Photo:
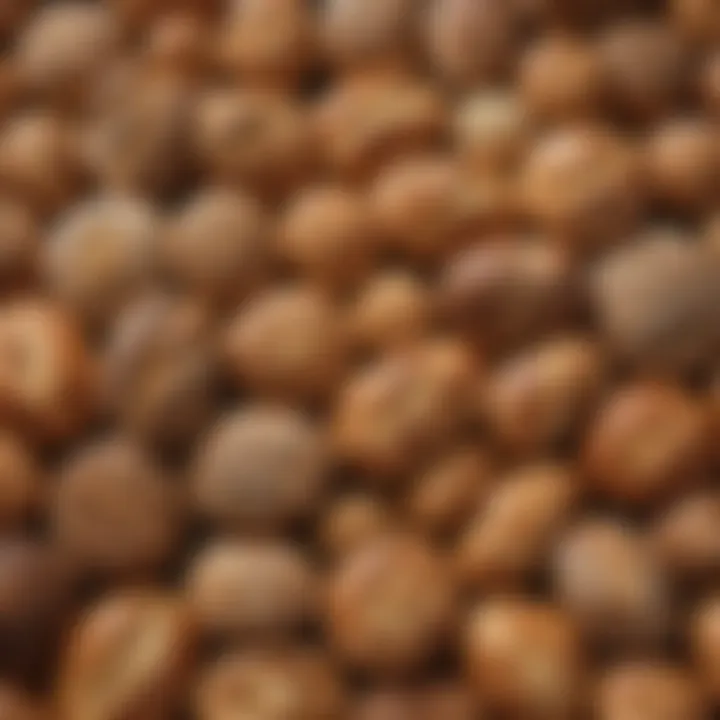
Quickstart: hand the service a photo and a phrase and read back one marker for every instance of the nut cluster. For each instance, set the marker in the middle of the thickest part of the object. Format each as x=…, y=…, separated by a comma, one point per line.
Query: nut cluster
x=359, y=359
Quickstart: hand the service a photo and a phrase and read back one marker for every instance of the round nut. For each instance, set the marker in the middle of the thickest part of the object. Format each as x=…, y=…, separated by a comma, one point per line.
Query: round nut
x=179, y=43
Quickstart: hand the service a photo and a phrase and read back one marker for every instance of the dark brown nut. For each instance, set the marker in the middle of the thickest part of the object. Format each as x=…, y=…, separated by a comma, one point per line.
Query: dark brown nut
x=471, y=42
x=296, y=684
x=47, y=378
x=328, y=235
x=710, y=84
x=268, y=43
x=393, y=310
x=216, y=246
x=390, y=605
x=366, y=121
x=698, y=20
x=65, y=47
x=246, y=588
x=351, y=521
x=539, y=399
x=506, y=292
x=643, y=69
x=683, y=164
x=20, y=491
x=16, y=704
x=127, y=658
x=524, y=659
x=609, y=581
x=100, y=255
x=288, y=343
x=582, y=184
x=160, y=371
x=560, y=79
x=19, y=244
x=253, y=138
x=508, y=540
x=649, y=441
x=40, y=161
x=114, y=510
x=379, y=33
x=658, y=302
x=179, y=42
x=403, y=406
x=450, y=490
x=260, y=467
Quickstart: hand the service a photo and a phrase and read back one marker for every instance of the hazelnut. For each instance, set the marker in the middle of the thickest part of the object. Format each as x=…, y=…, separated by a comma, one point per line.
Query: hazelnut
x=251, y=588
x=216, y=245
x=20, y=490
x=401, y=407
x=296, y=684
x=114, y=510
x=260, y=467
x=698, y=20
x=390, y=605
x=327, y=234
x=648, y=441
x=16, y=704
x=538, y=399
x=286, y=342
x=19, y=244
x=46, y=375
x=705, y=644
x=100, y=255
x=609, y=581
x=524, y=659
x=127, y=657
x=509, y=538
x=710, y=84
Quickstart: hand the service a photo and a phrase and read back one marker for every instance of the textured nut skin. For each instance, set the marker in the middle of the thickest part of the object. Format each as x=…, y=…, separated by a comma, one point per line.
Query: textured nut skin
x=513, y=531
x=246, y=588
x=259, y=468
x=649, y=691
x=524, y=659
x=127, y=657
x=609, y=581
x=390, y=605
x=20, y=475
x=649, y=441
x=19, y=244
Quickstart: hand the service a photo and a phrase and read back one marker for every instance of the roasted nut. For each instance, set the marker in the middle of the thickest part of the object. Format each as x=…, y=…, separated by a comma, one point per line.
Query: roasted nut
x=509, y=539
x=291, y=685
x=698, y=20
x=648, y=441
x=524, y=659
x=16, y=704
x=705, y=644
x=287, y=342
x=127, y=657
x=216, y=246
x=19, y=244
x=114, y=509
x=610, y=583
x=47, y=378
x=390, y=605
x=260, y=467
x=256, y=589
x=20, y=490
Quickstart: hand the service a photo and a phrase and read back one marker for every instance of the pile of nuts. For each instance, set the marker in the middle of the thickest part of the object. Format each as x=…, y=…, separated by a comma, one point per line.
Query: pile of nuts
x=360, y=360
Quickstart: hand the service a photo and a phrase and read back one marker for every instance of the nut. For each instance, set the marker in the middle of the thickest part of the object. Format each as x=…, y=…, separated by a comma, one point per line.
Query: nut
x=20, y=489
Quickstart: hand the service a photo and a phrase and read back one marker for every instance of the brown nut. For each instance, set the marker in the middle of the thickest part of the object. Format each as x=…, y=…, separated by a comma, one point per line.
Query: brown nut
x=47, y=379
x=127, y=658
x=582, y=184
x=683, y=164
x=297, y=684
x=445, y=701
x=179, y=43
x=658, y=302
x=560, y=79
x=114, y=510
x=649, y=691
x=19, y=244
x=609, y=581
x=20, y=489
x=403, y=406
x=506, y=292
x=267, y=42
x=535, y=401
x=16, y=704
x=328, y=235
x=101, y=255
x=710, y=84
x=508, y=540
x=287, y=342
x=216, y=246
x=698, y=20
x=524, y=659
x=160, y=371
x=648, y=441
x=390, y=605
x=260, y=467
x=450, y=490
